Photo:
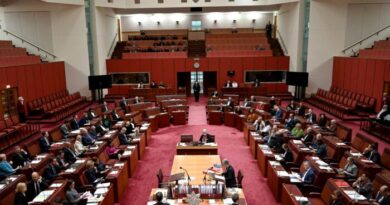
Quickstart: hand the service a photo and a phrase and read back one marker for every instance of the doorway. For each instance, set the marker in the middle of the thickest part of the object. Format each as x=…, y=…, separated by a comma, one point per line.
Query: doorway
x=209, y=81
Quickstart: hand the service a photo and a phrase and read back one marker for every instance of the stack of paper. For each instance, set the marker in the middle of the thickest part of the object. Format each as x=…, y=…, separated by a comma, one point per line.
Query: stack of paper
x=56, y=185
x=297, y=141
x=278, y=157
x=301, y=199
x=118, y=164
x=356, y=154
x=305, y=149
x=80, y=161
x=114, y=172
x=282, y=174
x=131, y=147
x=274, y=163
x=2, y=186
x=126, y=153
x=101, y=191
x=354, y=195
x=70, y=170
x=36, y=161
x=103, y=185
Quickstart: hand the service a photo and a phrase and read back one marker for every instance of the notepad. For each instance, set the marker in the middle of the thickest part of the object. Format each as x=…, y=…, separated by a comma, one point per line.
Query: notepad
x=131, y=147
x=101, y=191
x=297, y=141
x=79, y=161
x=274, y=163
x=282, y=174
x=103, y=185
x=114, y=172
x=340, y=144
x=301, y=199
x=119, y=164
x=126, y=153
x=35, y=161
x=228, y=201
x=70, y=170
x=278, y=158
x=56, y=185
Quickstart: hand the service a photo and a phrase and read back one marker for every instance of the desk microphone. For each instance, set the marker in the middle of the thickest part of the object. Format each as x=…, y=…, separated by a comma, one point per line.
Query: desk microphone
x=188, y=176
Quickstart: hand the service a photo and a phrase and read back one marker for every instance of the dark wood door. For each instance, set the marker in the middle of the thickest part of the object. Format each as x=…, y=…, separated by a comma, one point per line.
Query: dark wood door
x=184, y=82
x=209, y=81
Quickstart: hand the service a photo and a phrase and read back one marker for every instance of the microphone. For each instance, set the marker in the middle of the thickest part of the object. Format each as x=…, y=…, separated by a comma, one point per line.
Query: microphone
x=188, y=176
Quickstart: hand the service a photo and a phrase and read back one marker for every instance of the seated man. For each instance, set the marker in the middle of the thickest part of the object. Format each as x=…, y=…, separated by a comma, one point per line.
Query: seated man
x=52, y=170
x=215, y=94
x=300, y=110
x=123, y=139
x=137, y=100
x=308, y=174
x=350, y=170
x=382, y=114
x=383, y=196
x=115, y=117
x=35, y=186
x=278, y=113
x=363, y=186
x=229, y=84
x=276, y=141
x=315, y=145
x=69, y=155
x=259, y=124
x=309, y=136
x=93, y=133
x=230, y=104
x=84, y=120
x=322, y=150
x=100, y=167
x=130, y=126
x=91, y=114
x=290, y=122
x=5, y=167
x=74, y=123
x=246, y=103
x=100, y=129
x=86, y=138
x=291, y=106
x=19, y=157
x=287, y=155
x=230, y=177
x=159, y=198
x=371, y=152
x=61, y=160
x=153, y=85
x=310, y=117
x=297, y=131
x=322, y=120
x=332, y=127
x=91, y=173
x=104, y=107
x=123, y=104
x=44, y=142
x=64, y=129
x=266, y=129
x=205, y=137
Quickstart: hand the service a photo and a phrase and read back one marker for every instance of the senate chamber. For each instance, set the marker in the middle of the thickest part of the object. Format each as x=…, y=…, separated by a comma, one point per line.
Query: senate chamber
x=174, y=102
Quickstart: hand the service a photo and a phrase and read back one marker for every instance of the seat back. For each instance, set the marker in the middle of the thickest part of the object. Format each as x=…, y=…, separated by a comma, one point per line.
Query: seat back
x=240, y=176
x=385, y=159
x=186, y=138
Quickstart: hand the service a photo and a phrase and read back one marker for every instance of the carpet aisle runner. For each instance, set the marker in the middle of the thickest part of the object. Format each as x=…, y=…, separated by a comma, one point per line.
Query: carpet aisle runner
x=161, y=151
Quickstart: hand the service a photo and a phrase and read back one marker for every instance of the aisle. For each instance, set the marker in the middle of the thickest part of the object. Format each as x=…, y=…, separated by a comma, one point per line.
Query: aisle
x=197, y=111
x=161, y=152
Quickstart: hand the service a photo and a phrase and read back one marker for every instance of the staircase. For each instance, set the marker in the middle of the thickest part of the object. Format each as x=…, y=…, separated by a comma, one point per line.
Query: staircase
x=275, y=47
x=118, y=50
x=196, y=49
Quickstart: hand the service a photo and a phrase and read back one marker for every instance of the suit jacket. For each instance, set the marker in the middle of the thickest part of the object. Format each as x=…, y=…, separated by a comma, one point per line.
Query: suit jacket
x=91, y=175
x=385, y=200
x=70, y=155
x=20, y=199
x=123, y=139
x=51, y=172
x=301, y=111
x=19, y=159
x=230, y=177
x=308, y=138
x=230, y=104
x=365, y=189
x=87, y=140
x=82, y=122
x=61, y=162
x=288, y=156
x=208, y=138
x=322, y=122
x=104, y=108
x=33, y=191
x=91, y=115
x=100, y=130
x=374, y=156
x=74, y=125
x=291, y=107
x=44, y=144
x=308, y=176
x=279, y=115
x=123, y=105
x=64, y=131
x=196, y=88
x=130, y=128
x=247, y=104
x=290, y=123
x=322, y=151
x=311, y=116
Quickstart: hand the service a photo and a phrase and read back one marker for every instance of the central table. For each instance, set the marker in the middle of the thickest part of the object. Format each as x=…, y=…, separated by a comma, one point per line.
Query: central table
x=190, y=149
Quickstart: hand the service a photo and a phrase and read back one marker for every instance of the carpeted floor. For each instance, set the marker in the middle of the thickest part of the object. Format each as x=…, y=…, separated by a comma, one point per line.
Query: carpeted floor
x=161, y=152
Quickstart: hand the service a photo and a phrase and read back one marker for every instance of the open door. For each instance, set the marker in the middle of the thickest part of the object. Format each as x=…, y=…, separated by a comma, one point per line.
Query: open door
x=209, y=81
x=184, y=83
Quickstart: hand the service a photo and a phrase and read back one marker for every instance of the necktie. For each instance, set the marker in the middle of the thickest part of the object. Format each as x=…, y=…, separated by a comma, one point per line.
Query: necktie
x=52, y=168
x=37, y=188
x=47, y=141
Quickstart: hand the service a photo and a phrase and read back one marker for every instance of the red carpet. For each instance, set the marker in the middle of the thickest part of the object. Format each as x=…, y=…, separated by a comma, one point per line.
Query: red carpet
x=231, y=145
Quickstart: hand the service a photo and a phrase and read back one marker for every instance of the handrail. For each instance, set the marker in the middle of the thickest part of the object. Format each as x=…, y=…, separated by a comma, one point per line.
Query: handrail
x=282, y=42
x=367, y=37
x=113, y=42
x=32, y=44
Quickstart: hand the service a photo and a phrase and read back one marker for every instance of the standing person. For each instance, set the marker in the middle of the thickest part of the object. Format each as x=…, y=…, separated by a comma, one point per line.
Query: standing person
x=196, y=88
x=268, y=29
x=21, y=110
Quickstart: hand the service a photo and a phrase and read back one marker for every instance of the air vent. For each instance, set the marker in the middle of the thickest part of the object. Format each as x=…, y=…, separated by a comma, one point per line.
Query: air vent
x=196, y=9
x=160, y=1
x=137, y=1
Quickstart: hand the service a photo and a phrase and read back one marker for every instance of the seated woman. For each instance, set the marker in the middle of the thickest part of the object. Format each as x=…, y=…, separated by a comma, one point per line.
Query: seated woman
x=72, y=196
x=112, y=152
x=79, y=148
x=297, y=131
x=20, y=196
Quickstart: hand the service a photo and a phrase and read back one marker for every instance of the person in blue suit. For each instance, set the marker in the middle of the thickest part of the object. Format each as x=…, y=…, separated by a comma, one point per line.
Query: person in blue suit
x=44, y=142
x=278, y=113
x=308, y=175
x=5, y=167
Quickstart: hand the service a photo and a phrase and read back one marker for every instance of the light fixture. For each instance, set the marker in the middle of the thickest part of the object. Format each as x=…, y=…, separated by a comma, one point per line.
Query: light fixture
x=177, y=22
x=8, y=86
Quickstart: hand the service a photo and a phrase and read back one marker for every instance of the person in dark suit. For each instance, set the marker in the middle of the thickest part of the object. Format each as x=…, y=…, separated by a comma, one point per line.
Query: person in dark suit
x=104, y=107
x=35, y=186
x=383, y=196
x=21, y=110
x=44, y=142
x=64, y=129
x=74, y=124
x=336, y=198
x=276, y=141
x=272, y=103
x=300, y=110
x=93, y=133
x=291, y=106
x=382, y=114
x=230, y=177
x=86, y=138
x=246, y=103
x=91, y=114
x=123, y=139
x=230, y=104
x=153, y=85
x=287, y=155
x=309, y=136
x=290, y=122
x=215, y=94
x=308, y=175
x=363, y=186
x=322, y=120
x=84, y=120
x=100, y=167
x=52, y=170
x=115, y=117
x=20, y=196
x=100, y=129
x=322, y=151
x=123, y=104
x=137, y=100
x=205, y=137
x=310, y=117
x=19, y=157
x=278, y=113
x=61, y=160
x=90, y=172
x=69, y=155
x=229, y=84
x=256, y=83
x=130, y=126
x=371, y=152
x=106, y=122
x=196, y=88
x=159, y=198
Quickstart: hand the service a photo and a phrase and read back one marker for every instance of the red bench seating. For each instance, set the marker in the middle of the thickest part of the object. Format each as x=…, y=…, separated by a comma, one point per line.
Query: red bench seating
x=7, y=44
x=382, y=44
x=364, y=102
x=375, y=53
x=180, y=54
x=235, y=53
x=35, y=106
x=6, y=52
x=12, y=131
x=19, y=60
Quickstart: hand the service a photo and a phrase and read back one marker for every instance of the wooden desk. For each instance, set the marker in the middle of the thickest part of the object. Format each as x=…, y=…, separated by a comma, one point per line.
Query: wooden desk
x=37, y=165
x=215, y=117
x=244, y=92
x=336, y=147
x=130, y=156
x=118, y=177
x=7, y=192
x=247, y=128
x=149, y=94
x=254, y=140
x=299, y=150
x=74, y=171
x=264, y=154
x=58, y=192
x=147, y=129
x=275, y=181
x=229, y=119
x=141, y=144
x=240, y=120
x=96, y=150
x=108, y=196
x=337, y=184
x=195, y=165
x=178, y=117
x=190, y=149
x=322, y=175
x=289, y=191
x=371, y=169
